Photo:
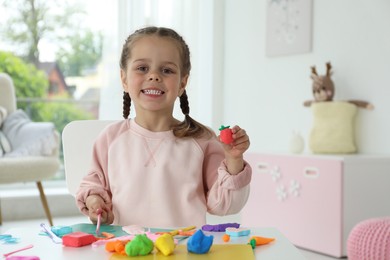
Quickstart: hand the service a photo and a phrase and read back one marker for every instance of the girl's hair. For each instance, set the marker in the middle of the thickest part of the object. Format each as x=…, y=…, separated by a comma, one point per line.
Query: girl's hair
x=188, y=127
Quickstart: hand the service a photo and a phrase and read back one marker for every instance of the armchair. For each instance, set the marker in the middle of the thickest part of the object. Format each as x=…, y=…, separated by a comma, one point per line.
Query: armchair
x=21, y=166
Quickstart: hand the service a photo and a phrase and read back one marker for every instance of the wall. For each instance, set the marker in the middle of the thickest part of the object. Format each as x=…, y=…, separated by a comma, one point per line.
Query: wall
x=267, y=93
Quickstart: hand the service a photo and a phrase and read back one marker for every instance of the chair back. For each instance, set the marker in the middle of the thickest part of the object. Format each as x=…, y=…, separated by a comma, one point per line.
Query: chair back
x=78, y=138
x=7, y=90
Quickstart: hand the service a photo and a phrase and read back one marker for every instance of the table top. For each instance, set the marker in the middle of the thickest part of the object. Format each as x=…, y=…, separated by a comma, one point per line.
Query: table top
x=46, y=249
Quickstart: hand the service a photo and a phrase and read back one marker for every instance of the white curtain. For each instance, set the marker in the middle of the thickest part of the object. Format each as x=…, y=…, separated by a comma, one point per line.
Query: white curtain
x=200, y=22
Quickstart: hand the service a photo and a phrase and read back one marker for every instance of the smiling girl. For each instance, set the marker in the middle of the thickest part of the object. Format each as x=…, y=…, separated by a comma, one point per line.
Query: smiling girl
x=154, y=170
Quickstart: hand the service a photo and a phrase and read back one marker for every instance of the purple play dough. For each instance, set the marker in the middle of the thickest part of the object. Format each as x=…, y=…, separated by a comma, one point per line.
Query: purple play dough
x=219, y=227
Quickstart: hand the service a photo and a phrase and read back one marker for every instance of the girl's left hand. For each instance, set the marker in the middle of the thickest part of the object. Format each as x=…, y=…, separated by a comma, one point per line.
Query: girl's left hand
x=240, y=143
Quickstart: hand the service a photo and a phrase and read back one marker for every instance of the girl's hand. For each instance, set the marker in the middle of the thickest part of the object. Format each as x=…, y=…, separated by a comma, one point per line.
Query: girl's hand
x=234, y=151
x=95, y=202
x=240, y=143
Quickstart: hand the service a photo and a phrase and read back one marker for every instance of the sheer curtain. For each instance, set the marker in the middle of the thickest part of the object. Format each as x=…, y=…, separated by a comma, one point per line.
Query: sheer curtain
x=200, y=22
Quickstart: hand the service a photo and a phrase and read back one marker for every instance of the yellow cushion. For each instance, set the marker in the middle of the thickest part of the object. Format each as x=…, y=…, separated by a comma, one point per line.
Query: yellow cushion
x=333, y=128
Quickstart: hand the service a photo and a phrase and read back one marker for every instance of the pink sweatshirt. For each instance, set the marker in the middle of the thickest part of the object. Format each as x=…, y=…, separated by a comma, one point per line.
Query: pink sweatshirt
x=155, y=179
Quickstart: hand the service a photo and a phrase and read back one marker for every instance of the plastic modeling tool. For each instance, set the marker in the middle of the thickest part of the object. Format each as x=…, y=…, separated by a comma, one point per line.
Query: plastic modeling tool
x=18, y=250
x=177, y=231
x=50, y=233
x=99, y=219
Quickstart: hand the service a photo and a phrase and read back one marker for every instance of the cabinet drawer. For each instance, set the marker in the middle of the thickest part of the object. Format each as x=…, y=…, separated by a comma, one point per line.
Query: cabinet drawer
x=300, y=196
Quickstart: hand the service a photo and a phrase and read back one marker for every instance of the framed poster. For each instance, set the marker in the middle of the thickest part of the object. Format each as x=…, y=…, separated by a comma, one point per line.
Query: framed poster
x=289, y=26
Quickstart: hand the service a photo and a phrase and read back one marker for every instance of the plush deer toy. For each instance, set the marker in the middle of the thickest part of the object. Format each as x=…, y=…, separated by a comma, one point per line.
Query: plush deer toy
x=323, y=89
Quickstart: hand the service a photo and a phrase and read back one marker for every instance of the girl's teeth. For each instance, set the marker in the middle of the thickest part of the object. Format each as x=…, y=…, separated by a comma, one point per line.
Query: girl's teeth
x=152, y=92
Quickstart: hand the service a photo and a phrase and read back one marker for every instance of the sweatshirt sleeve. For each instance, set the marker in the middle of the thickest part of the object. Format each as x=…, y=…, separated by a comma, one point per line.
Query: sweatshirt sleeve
x=226, y=194
x=96, y=181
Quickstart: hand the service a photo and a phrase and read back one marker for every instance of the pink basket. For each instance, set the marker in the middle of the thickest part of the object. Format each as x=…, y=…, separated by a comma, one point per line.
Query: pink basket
x=370, y=240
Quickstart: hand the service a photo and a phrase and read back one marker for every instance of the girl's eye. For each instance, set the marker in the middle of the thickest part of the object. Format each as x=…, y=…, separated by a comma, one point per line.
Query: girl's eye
x=167, y=71
x=142, y=68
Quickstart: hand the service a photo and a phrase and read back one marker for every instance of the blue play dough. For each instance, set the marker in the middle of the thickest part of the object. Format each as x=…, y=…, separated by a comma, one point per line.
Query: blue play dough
x=61, y=230
x=237, y=232
x=199, y=243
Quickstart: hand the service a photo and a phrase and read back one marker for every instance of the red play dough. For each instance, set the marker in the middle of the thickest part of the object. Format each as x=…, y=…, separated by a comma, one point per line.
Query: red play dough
x=78, y=239
x=226, y=135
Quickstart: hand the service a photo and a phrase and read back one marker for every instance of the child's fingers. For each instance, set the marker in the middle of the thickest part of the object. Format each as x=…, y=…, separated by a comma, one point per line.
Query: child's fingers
x=104, y=217
x=107, y=216
x=110, y=217
x=240, y=141
x=235, y=129
x=94, y=211
x=93, y=217
x=241, y=147
x=240, y=137
x=238, y=132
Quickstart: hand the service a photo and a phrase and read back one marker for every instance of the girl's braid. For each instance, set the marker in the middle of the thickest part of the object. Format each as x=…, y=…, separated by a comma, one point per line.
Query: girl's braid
x=126, y=105
x=184, y=103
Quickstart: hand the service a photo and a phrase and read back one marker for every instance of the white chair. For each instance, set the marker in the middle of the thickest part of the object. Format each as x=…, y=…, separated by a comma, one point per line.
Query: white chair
x=78, y=138
x=26, y=168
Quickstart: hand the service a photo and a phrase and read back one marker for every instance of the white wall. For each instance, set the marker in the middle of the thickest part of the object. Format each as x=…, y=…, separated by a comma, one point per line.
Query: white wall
x=265, y=95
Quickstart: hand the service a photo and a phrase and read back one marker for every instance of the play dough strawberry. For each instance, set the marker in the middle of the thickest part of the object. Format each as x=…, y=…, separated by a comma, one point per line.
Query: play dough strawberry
x=226, y=134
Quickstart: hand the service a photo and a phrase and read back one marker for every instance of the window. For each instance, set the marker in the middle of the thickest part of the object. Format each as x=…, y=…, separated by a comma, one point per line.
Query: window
x=61, y=82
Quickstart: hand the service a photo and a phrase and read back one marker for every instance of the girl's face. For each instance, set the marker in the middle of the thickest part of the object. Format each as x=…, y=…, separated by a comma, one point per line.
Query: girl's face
x=153, y=76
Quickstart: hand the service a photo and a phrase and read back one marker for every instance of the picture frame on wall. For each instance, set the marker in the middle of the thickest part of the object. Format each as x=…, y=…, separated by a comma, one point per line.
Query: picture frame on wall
x=289, y=27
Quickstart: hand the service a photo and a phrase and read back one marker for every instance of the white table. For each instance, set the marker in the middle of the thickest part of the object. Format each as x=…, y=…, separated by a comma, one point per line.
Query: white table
x=281, y=248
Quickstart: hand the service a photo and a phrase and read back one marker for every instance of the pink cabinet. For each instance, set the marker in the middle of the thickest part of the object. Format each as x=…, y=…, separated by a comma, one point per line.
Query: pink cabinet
x=316, y=200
